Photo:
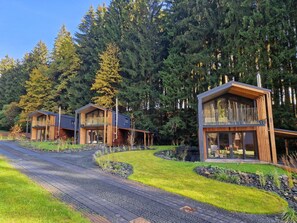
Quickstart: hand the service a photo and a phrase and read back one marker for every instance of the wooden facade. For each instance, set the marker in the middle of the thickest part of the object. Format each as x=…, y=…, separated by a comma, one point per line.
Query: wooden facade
x=97, y=125
x=45, y=126
x=235, y=121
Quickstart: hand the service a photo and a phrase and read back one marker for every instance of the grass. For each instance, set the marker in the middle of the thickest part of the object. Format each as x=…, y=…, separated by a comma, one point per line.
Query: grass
x=24, y=201
x=50, y=146
x=266, y=169
x=179, y=177
x=4, y=135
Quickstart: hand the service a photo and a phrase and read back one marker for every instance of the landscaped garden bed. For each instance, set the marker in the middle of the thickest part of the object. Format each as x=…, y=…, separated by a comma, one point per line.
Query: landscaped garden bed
x=54, y=146
x=179, y=177
x=284, y=185
x=181, y=153
x=113, y=166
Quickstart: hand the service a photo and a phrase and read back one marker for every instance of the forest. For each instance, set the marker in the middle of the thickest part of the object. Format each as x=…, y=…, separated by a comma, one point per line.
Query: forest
x=156, y=56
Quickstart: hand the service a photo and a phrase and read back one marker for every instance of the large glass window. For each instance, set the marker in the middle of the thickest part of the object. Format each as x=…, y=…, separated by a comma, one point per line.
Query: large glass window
x=230, y=109
x=41, y=120
x=94, y=136
x=95, y=117
x=232, y=145
x=40, y=134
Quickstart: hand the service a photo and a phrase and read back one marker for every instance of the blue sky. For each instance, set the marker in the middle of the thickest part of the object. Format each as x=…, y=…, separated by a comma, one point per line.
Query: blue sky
x=24, y=22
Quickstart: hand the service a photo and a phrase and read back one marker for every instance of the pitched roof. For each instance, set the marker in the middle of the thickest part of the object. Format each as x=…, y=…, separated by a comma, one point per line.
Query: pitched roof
x=89, y=107
x=233, y=87
x=41, y=112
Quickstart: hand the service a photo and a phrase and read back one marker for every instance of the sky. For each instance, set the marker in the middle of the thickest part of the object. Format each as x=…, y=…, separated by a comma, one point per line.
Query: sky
x=23, y=23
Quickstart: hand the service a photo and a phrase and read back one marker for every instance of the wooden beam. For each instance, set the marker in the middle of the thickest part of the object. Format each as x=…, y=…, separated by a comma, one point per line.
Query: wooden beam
x=271, y=128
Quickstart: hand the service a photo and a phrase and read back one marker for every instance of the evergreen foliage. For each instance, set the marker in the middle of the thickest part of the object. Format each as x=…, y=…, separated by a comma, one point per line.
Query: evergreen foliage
x=63, y=70
x=168, y=52
x=107, y=78
x=39, y=94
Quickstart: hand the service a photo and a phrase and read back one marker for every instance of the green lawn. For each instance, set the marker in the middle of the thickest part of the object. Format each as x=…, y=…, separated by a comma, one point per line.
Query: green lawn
x=50, y=146
x=21, y=200
x=248, y=167
x=179, y=177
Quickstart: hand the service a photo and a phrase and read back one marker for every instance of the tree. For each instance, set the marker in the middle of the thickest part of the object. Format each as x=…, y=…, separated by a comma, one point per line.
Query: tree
x=9, y=115
x=38, y=56
x=107, y=78
x=90, y=43
x=6, y=64
x=141, y=57
x=63, y=69
x=39, y=94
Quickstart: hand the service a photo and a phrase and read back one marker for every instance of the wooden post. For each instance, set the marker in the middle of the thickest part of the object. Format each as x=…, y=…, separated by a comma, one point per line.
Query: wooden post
x=46, y=121
x=152, y=139
x=75, y=128
x=104, y=130
x=200, y=131
x=271, y=128
x=287, y=147
x=27, y=126
x=148, y=139
x=144, y=139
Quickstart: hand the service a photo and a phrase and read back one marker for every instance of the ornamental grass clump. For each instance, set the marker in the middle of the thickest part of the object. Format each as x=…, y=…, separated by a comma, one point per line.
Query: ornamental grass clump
x=276, y=179
x=289, y=216
x=262, y=178
x=290, y=162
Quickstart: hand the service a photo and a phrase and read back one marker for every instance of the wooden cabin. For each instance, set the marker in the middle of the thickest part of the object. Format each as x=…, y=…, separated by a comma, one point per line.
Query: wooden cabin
x=45, y=126
x=97, y=125
x=235, y=122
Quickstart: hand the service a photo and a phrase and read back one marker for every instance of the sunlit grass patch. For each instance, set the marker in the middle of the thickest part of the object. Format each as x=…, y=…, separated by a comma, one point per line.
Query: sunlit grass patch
x=21, y=200
x=180, y=178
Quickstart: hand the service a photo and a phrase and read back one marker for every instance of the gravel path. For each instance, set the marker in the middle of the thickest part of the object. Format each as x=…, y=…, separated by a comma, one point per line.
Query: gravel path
x=75, y=179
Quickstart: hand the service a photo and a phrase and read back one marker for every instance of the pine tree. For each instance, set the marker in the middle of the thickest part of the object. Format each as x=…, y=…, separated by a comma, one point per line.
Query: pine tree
x=141, y=57
x=38, y=95
x=63, y=70
x=90, y=43
x=38, y=56
x=6, y=64
x=107, y=78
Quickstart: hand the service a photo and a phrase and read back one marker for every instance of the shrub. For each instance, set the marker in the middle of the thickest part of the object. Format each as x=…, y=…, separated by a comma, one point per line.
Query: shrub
x=289, y=216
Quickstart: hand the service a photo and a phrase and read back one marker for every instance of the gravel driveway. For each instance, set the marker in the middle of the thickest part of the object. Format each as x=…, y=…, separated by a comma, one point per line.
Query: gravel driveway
x=75, y=179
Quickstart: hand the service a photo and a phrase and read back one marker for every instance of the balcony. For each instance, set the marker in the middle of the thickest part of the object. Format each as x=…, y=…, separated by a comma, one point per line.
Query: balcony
x=93, y=122
x=39, y=123
x=230, y=117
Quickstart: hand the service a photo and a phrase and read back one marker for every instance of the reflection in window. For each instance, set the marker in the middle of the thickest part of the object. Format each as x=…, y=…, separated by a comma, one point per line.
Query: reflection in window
x=94, y=136
x=230, y=109
x=95, y=117
x=232, y=145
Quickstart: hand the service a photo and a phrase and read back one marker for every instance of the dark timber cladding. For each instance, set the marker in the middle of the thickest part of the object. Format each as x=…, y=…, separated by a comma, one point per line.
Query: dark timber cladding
x=235, y=121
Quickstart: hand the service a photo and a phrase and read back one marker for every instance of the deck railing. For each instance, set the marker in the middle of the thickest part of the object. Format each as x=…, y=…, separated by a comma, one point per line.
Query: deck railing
x=39, y=123
x=232, y=117
x=94, y=121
